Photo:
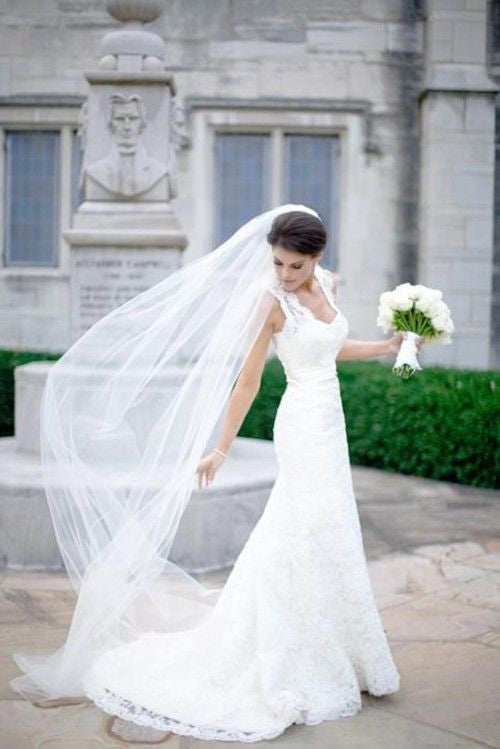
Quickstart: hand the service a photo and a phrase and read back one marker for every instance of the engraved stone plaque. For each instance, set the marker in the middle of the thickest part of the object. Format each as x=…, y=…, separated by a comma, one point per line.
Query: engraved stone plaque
x=103, y=279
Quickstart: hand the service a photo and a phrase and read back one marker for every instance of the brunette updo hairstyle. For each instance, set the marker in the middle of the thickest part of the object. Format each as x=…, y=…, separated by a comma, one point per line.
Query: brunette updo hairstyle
x=298, y=231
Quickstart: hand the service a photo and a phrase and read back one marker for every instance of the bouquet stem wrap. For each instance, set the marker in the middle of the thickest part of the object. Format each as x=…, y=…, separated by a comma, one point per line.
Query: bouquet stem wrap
x=406, y=360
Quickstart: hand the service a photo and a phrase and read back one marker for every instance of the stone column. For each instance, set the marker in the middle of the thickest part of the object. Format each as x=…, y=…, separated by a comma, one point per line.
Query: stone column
x=125, y=235
x=457, y=117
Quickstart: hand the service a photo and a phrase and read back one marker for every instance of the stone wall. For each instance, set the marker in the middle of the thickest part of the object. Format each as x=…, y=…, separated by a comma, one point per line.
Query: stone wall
x=494, y=69
x=355, y=67
x=457, y=175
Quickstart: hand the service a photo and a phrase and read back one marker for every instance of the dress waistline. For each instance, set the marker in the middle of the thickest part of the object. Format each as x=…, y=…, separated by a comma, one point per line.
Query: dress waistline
x=313, y=379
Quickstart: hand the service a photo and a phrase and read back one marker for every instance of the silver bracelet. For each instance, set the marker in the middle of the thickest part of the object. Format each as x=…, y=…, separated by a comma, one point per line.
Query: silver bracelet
x=216, y=450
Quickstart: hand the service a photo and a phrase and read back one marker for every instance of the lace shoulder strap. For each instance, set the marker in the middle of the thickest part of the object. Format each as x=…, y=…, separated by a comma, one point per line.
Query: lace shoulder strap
x=326, y=284
x=292, y=309
x=279, y=292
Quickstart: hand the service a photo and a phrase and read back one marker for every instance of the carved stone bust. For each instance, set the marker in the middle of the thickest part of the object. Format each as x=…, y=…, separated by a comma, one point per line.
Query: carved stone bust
x=128, y=170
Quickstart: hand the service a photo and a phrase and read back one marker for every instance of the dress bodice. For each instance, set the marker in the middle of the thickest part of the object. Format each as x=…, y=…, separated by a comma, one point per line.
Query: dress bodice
x=307, y=346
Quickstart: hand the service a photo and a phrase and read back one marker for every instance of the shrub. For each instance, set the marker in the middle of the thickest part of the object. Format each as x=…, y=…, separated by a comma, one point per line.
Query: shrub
x=8, y=361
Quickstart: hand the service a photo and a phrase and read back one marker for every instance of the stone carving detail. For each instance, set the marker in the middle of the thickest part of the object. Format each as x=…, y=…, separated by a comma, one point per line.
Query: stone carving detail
x=178, y=130
x=128, y=169
x=132, y=47
x=83, y=116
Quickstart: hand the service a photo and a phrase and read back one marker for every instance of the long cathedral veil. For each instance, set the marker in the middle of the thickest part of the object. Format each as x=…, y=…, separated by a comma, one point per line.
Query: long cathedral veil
x=126, y=414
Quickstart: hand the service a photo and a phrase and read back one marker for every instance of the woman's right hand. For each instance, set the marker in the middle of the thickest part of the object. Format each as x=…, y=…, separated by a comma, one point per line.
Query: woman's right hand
x=207, y=467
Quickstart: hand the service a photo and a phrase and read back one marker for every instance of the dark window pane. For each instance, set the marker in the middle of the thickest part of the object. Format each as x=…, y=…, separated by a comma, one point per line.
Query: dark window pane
x=32, y=197
x=311, y=178
x=242, y=177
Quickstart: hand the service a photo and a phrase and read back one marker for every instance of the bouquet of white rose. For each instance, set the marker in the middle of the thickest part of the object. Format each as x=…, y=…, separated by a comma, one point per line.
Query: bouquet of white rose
x=418, y=310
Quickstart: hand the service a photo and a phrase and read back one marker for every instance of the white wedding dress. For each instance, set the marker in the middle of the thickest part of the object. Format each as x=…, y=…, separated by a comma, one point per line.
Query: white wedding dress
x=295, y=634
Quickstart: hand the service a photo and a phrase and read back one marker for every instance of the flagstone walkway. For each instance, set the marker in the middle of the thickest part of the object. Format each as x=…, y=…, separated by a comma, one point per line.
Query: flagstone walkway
x=434, y=560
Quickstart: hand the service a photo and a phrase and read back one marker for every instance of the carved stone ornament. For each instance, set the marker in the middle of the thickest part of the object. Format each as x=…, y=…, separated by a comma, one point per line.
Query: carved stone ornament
x=133, y=47
x=178, y=129
x=128, y=169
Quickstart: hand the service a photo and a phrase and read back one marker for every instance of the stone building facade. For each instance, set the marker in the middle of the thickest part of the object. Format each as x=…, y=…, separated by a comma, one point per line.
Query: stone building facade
x=378, y=113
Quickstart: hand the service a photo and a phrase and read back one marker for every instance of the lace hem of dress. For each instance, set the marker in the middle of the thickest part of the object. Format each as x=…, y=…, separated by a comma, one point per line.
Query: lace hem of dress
x=121, y=707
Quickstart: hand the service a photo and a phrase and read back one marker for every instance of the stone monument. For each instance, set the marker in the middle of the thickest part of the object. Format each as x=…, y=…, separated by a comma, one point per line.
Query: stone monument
x=125, y=235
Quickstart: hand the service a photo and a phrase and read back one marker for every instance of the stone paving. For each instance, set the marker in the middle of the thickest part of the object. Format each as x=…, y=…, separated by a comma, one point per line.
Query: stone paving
x=434, y=560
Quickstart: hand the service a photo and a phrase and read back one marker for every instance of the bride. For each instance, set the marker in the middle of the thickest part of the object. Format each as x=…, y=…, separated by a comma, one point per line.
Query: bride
x=129, y=426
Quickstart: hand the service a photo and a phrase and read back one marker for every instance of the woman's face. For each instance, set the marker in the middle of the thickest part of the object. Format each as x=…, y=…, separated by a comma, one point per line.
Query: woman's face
x=293, y=268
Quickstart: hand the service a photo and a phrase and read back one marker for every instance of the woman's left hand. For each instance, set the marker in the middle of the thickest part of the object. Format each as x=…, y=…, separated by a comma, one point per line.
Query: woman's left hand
x=394, y=343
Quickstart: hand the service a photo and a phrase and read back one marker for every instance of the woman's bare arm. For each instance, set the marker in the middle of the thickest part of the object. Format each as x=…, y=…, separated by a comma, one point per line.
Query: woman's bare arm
x=242, y=396
x=248, y=383
x=353, y=349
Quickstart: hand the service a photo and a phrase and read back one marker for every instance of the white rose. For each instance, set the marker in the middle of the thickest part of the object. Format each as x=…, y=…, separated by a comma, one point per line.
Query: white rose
x=436, y=293
x=439, y=321
x=385, y=320
x=404, y=288
x=419, y=290
x=449, y=327
x=385, y=297
x=424, y=301
x=384, y=308
x=401, y=301
x=435, y=308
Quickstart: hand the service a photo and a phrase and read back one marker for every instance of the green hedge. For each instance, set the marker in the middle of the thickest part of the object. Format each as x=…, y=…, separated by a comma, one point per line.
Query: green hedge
x=8, y=361
x=440, y=424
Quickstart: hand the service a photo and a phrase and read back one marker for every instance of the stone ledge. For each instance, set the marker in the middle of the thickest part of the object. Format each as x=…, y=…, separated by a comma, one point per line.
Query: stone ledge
x=466, y=79
x=213, y=529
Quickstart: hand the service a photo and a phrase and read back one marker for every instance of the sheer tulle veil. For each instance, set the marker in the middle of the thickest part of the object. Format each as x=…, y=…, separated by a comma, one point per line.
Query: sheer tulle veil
x=126, y=414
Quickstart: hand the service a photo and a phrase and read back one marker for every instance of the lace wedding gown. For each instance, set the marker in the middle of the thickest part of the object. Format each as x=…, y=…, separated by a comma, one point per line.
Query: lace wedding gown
x=295, y=634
